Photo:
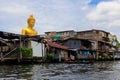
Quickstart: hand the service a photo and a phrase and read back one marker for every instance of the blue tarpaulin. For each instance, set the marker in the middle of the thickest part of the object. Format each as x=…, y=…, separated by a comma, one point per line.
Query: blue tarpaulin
x=85, y=52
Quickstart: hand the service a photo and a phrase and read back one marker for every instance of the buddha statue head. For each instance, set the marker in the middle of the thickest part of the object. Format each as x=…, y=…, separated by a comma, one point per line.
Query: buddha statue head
x=29, y=31
x=31, y=21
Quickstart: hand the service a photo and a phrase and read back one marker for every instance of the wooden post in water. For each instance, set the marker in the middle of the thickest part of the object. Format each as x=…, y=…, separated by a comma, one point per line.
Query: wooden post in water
x=97, y=51
x=1, y=56
x=42, y=50
x=20, y=56
x=113, y=55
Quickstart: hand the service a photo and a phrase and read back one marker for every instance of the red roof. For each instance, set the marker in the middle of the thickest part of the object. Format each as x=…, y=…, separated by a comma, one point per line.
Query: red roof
x=52, y=44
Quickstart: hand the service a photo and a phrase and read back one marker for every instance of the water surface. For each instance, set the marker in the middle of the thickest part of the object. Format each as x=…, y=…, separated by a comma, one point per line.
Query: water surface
x=109, y=70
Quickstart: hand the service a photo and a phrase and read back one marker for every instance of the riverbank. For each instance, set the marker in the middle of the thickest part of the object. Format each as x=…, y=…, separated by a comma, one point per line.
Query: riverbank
x=35, y=61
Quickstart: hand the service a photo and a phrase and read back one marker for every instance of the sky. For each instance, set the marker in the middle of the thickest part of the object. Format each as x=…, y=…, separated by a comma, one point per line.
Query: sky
x=61, y=15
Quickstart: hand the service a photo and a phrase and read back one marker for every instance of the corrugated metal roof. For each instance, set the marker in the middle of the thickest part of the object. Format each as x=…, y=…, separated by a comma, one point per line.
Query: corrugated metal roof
x=52, y=44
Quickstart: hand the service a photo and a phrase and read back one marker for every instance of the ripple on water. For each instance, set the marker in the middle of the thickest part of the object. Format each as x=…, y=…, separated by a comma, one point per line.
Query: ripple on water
x=94, y=71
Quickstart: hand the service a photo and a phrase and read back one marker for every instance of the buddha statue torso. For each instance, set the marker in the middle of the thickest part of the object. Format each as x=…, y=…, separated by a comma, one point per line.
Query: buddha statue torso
x=29, y=31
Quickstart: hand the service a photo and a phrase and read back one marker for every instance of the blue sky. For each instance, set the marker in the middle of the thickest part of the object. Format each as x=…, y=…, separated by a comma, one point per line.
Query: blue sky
x=60, y=15
x=95, y=2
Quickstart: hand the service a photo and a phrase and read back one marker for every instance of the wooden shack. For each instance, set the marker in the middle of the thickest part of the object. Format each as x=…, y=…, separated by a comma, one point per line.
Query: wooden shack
x=60, y=52
x=102, y=41
x=13, y=46
x=9, y=44
x=81, y=48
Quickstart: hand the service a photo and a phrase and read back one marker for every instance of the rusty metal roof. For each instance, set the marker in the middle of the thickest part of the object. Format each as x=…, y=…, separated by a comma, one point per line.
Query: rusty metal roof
x=52, y=44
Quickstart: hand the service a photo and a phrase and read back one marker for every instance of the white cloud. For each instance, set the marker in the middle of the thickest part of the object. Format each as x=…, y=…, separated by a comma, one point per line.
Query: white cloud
x=105, y=9
x=114, y=23
x=105, y=16
x=108, y=12
x=14, y=9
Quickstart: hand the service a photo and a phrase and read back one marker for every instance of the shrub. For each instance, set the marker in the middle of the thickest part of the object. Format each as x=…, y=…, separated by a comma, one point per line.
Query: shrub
x=49, y=57
x=26, y=52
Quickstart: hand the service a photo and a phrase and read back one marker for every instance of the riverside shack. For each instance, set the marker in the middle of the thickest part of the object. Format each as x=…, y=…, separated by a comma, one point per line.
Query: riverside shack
x=9, y=44
x=95, y=44
x=101, y=42
x=15, y=47
x=81, y=47
x=60, y=52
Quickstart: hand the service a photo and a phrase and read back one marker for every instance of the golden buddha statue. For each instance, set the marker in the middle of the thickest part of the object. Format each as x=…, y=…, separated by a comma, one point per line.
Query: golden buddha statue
x=29, y=31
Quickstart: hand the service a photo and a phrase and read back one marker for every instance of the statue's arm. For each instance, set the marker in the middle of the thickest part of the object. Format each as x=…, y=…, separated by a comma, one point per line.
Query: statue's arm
x=23, y=31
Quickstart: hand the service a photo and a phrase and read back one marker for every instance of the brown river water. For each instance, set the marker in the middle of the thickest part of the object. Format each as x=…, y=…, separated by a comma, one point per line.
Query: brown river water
x=108, y=70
